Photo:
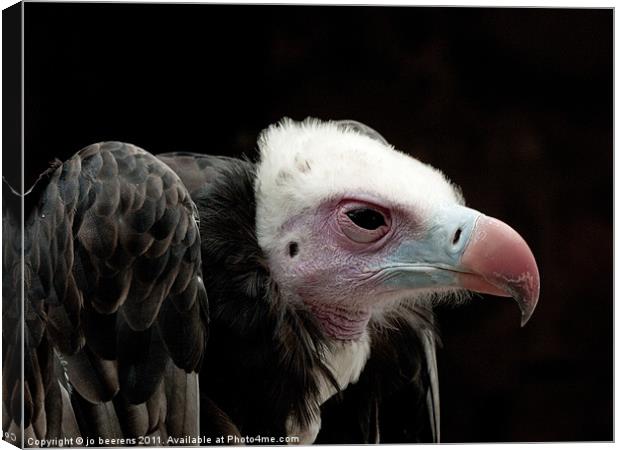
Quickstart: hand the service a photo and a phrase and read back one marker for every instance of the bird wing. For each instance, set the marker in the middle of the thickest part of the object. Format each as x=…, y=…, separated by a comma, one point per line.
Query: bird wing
x=396, y=399
x=202, y=174
x=197, y=171
x=114, y=299
x=35, y=405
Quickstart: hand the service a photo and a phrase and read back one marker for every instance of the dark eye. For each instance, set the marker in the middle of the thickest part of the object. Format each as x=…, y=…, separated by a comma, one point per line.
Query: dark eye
x=366, y=218
x=362, y=222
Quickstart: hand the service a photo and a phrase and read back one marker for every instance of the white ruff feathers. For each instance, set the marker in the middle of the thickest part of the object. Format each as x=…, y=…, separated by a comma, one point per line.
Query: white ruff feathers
x=303, y=164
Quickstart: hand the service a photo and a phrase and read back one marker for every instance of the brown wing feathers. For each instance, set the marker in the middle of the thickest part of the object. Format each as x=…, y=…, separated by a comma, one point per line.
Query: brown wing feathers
x=113, y=256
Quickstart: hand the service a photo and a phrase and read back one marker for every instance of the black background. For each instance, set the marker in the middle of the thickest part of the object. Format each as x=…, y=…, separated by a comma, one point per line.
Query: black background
x=514, y=105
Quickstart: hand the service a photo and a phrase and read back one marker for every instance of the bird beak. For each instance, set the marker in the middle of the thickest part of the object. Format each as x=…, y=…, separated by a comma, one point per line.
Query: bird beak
x=498, y=261
x=463, y=248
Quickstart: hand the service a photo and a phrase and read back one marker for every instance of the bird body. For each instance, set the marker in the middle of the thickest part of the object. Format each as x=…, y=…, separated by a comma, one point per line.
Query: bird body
x=321, y=260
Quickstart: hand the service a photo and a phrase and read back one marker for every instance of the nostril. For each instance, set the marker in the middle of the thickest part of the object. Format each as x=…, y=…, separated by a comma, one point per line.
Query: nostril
x=293, y=249
x=457, y=236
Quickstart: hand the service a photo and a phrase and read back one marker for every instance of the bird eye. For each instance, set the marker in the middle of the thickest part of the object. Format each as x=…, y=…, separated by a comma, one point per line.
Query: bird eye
x=363, y=223
x=366, y=218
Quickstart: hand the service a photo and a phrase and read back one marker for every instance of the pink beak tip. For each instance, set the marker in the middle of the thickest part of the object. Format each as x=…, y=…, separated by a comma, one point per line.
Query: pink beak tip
x=502, y=258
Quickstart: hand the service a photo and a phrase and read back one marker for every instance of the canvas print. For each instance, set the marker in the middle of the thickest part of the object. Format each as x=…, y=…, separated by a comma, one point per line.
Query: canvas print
x=293, y=224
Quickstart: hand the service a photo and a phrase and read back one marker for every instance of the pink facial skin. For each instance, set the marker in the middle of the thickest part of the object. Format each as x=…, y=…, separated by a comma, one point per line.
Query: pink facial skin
x=330, y=271
x=343, y=272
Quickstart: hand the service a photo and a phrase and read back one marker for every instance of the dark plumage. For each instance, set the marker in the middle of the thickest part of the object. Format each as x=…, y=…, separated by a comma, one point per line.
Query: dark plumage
x=112, y=266
x=320, y=283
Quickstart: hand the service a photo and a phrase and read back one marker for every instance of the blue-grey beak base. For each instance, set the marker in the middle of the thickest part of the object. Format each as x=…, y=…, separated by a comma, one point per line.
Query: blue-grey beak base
x=434, y=259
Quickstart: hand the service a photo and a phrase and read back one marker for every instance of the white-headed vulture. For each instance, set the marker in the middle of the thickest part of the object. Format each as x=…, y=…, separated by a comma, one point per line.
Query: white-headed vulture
x=186, y=298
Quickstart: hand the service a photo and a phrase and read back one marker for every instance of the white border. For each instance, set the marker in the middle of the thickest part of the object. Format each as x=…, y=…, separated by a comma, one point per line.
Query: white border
x=480, y=3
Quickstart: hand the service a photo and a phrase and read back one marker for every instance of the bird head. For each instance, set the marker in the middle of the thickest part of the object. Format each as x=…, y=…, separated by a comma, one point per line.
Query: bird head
x=352, y=227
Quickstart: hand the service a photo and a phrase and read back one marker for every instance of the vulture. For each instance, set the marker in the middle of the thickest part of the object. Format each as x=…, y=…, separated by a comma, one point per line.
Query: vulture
x=191, y=299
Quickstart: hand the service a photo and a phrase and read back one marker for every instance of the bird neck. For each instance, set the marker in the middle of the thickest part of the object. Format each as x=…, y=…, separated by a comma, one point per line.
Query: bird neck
x=340, y=323
x=252, y=325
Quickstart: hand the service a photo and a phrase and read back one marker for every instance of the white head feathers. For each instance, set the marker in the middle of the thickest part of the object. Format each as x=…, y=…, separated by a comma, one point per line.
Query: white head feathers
x=303, y=164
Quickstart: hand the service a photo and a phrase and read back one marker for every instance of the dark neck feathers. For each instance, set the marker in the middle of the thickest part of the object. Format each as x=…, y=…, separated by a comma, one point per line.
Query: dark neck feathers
x=267, y=353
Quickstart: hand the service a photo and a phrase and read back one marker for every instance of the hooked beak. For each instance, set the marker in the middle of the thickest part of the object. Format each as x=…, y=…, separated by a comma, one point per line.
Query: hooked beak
x=466, y=249
x=498, y=261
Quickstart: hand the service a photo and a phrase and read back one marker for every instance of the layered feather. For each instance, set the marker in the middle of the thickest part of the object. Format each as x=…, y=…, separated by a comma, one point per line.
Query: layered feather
x=114, y=291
